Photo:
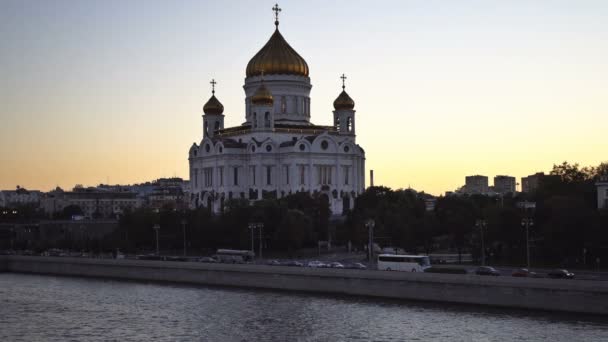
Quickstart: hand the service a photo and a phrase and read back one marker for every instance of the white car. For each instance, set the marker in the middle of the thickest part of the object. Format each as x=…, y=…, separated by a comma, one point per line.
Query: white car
x=316, y=264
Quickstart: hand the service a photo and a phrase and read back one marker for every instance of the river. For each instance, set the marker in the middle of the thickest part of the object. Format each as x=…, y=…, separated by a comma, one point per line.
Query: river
x=48, y=308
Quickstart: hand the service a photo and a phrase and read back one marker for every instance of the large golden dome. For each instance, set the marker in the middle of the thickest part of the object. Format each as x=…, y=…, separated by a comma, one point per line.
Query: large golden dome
x=213, y=106
x=262, y=96
x=277, y=57
x=343, y=101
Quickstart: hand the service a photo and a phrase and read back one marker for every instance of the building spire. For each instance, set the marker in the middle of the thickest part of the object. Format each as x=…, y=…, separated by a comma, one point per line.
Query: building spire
x=343, y=77
x=213, y=83
x=276, y=9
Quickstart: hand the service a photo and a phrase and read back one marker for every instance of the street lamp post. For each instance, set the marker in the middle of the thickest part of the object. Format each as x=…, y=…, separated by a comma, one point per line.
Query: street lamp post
x=184, y=222
x=370, y=231
x=156, y=228
x=481, y=224
x=252, y=226
x=526, y=223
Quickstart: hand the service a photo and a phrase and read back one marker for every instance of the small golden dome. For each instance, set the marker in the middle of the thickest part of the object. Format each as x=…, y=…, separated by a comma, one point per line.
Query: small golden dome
x=213, y=106
x=343, y=101
x=277, y=57
x=262, y=96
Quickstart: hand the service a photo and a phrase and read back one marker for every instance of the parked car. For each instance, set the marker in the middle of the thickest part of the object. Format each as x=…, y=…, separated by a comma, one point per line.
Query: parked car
x=273, y=263
x=207, y=259
x=316, y=264
x=487, y=270
x=294, y=263
x=336, y=264
x=524, y=272
x=357, y=266
x=560, y=274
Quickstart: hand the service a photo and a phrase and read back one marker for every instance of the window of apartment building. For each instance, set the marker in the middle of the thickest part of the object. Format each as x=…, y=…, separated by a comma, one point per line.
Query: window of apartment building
x=236, y=175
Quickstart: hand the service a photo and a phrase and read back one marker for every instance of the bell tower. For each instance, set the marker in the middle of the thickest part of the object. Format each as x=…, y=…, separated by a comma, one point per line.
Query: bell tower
x=213, y=117
x=344, y=113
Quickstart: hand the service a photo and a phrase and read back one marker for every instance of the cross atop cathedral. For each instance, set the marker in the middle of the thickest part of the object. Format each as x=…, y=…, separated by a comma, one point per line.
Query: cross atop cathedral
x=213, y=83
x=343, y=77
x=276, y=9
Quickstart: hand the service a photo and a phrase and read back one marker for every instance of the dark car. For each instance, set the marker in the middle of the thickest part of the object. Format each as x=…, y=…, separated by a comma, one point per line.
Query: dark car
x=295, y=263
x=273, y=263
x=524, y=272
x=487, y=270
x=560, y=274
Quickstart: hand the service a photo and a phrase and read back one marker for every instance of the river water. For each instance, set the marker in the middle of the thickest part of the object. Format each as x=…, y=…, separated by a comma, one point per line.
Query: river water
x=46, y=308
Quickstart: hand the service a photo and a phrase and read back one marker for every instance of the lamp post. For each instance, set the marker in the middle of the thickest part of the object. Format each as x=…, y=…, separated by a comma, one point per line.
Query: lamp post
x=369, y=224
x=184, y=222
x=156, y=228
x=526, y=223
x=481, y=224
x=252, y=226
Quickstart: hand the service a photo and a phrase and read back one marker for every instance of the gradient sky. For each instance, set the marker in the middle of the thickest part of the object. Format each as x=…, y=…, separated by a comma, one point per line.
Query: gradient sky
x=112, y=91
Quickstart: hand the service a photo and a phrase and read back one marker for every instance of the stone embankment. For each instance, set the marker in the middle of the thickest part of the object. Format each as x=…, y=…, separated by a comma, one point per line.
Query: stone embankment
x=541, y=294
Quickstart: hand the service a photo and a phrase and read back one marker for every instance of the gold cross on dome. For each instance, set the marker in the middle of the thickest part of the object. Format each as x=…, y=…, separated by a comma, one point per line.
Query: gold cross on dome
x=343, y=77
x=213, y=83
x=276, y=9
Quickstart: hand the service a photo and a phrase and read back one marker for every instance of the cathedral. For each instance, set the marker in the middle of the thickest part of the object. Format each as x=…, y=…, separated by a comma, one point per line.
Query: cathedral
x=277, y=151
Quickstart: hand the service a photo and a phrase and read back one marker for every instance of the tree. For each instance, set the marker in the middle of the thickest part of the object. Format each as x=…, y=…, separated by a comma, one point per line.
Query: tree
x=294, y=230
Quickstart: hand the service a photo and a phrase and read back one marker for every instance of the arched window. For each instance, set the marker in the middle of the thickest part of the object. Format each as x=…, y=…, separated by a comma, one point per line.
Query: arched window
x=337, y=122
x=267, y=119
x=217, y=125
x=349, y=124
x=206, y=128
x=255, y=120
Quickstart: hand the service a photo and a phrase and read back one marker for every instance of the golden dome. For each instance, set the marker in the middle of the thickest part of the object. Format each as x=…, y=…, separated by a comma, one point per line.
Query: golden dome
x=343, y=101
x=262, y=96
x=213, y=106
x=277, y=57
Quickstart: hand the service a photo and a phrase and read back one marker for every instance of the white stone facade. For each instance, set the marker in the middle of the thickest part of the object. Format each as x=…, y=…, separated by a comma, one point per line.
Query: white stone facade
x=277, y=151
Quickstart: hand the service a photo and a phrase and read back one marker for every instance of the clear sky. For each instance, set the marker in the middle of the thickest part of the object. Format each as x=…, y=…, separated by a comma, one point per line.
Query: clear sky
x=112, y=91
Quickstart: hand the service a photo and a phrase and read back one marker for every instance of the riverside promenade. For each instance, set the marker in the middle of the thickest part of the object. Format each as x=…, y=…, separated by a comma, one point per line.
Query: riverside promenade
x=539, y=294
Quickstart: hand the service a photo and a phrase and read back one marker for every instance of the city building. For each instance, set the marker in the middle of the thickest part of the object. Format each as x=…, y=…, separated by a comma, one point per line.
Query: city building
x=19, y=196
x=504, y=185
x=277, y=151
x=530, y=184
x=602, y=192
x=94, y=202
x=476, y=185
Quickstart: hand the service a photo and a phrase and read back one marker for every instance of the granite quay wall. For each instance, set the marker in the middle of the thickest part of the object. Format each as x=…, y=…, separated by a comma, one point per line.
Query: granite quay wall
x=542, y=294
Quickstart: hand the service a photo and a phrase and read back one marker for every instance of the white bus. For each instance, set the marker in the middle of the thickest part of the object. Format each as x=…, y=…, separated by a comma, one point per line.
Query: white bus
x=404, y=263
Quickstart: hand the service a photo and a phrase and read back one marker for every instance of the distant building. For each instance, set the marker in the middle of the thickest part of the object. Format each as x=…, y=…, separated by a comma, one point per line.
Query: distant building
x=602, y=192
x=94, y=202
x=20, y=196
x=530, y=184
x=504, y=185
x=476, y=185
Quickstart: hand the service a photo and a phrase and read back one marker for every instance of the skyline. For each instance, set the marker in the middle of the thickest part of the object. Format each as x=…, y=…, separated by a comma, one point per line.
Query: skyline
x=112, y=92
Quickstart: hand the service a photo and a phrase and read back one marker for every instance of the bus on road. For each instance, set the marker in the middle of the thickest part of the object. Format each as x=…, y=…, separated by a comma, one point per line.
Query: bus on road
x=404, y=263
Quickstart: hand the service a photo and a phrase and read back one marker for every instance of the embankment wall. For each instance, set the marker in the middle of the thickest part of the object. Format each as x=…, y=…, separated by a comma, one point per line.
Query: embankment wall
x=543, y=294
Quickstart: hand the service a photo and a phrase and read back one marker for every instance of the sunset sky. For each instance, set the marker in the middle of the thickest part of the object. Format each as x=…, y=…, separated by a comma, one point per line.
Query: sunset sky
x=112, y=91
